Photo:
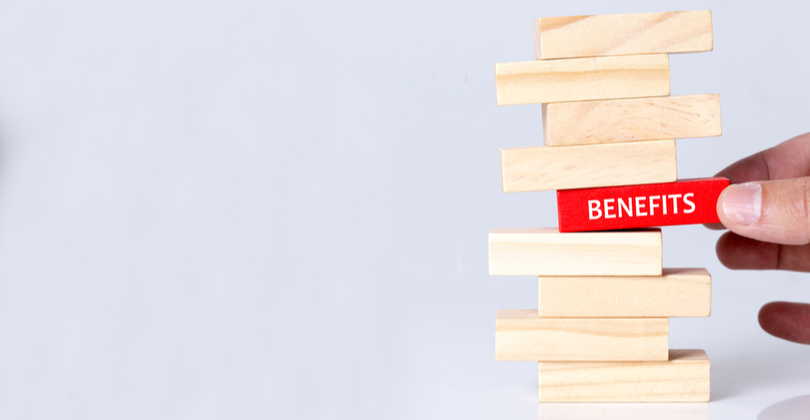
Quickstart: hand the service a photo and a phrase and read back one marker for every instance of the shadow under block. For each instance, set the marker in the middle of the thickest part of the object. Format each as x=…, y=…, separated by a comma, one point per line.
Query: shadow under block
x=602, y=165
x=682, y=378
x=547, y=252
x=623, y=120
x=686, y=202
x=624, y=411
x=582, y=79
x=638, y=33
x=521, y=336
x=681, y=292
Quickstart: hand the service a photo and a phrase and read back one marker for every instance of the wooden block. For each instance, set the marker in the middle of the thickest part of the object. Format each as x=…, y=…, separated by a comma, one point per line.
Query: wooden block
x=547, y=252
x=681, y=292
x=624, y=411
x=689, y=201
x=582, y=79
x=521, y=335
x=600, y=165
x=623, y=120
x=638, y=33
x=682, y=378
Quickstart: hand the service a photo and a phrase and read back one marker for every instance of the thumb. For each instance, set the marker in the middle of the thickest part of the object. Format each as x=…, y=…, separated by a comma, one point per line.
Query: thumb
x=769, y=211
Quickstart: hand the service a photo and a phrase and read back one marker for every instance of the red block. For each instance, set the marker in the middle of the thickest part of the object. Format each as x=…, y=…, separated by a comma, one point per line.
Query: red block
x=686, y=202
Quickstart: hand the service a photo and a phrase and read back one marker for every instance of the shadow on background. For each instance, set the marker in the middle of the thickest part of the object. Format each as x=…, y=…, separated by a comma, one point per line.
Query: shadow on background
x=745, y=375
x=791, y=409
x=621, y=411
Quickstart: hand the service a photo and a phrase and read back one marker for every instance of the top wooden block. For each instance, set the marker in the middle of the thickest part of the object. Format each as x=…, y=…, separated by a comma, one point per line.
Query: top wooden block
x=638, y=33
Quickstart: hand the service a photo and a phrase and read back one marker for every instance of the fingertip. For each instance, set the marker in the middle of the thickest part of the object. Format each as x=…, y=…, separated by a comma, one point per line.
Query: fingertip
x=722, y=250
x=714, y=226
x=740, y=253
x=786, y=320
x=751, y=168
x=767, y=315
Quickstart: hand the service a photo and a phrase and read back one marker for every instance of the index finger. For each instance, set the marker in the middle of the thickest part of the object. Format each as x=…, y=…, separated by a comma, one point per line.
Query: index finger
x=786, y=160
x=789, y=159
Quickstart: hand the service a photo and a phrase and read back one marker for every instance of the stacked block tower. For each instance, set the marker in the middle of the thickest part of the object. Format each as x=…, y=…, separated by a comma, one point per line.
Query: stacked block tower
x=601, y=330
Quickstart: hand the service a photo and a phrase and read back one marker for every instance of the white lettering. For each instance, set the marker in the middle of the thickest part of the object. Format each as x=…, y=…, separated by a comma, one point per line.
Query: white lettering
x=675, y=198
x=608, y=208
x=640, y=206
x=628, y=207
x=612, y=208
x=653, y=205
x=687, y=201
x=593, y=207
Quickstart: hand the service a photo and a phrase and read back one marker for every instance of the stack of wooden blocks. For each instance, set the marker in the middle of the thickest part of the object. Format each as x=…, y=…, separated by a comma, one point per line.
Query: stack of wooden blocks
x=601, y=331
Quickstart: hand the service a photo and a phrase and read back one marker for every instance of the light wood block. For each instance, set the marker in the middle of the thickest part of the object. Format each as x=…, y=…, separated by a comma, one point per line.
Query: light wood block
x=682, y=378
x=623, y=120
x=681, y=292
x=601, y=165
x=521, y=335
x=582, y=79
x=547, y=252
x=638, y=33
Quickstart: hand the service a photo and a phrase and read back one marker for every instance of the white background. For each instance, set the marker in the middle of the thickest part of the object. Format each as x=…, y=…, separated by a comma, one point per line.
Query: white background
x=248, y=210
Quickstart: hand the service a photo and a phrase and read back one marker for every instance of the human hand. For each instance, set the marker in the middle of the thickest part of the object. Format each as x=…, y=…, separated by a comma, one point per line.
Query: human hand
x=768, y=215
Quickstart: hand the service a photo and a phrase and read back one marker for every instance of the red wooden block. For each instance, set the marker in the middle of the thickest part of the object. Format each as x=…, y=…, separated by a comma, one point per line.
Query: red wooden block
x=686, y=202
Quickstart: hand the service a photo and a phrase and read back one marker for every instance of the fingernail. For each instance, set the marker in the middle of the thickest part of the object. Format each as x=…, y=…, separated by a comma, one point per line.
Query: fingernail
x=742, y=203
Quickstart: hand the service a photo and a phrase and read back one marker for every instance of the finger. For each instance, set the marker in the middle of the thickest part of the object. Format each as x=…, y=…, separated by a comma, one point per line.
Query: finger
x=715, y=226
x=786, y=320
x=769, y=211
x=789, y=159
x=741, y=253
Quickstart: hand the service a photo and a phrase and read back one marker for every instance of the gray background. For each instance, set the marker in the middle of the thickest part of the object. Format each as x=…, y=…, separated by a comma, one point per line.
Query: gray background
x=280, y=209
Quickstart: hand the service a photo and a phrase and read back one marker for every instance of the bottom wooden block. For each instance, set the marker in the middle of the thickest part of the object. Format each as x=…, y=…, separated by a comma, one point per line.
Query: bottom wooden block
x=683, y=378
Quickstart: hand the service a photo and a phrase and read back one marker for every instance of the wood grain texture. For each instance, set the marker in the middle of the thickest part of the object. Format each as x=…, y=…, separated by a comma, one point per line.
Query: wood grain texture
x=682, y=378
x=680, y=292
x=623, y=120
x=547, y=252
x=602, y=165
x=638, y=33
x=688, y=201
x=582, y=79
x=521, y=335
